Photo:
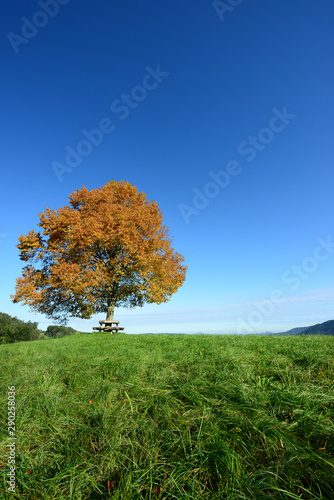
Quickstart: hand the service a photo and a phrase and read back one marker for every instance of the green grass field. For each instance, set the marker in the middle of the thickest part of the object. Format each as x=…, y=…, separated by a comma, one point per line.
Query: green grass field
x=170, y=417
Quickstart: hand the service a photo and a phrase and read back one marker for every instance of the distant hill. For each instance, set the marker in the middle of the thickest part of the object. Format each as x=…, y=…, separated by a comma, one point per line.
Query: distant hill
x=293, y=331
x=326, y=328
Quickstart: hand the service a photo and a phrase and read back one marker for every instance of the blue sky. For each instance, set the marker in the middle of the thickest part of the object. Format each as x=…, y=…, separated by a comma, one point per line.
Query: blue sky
x=221, y=112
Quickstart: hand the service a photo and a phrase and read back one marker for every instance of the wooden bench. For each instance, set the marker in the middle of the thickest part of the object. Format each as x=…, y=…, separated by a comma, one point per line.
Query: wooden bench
x=109, y=326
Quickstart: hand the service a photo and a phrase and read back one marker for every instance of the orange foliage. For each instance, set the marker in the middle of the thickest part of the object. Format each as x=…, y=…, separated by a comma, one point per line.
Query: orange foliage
x=108, y=247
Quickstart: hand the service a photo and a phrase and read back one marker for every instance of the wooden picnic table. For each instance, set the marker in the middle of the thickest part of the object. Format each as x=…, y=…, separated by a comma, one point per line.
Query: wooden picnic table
x=109, y=326
x=109, y=322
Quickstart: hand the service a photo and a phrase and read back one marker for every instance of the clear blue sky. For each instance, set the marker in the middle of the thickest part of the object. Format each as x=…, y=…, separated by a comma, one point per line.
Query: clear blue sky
x=221, y=112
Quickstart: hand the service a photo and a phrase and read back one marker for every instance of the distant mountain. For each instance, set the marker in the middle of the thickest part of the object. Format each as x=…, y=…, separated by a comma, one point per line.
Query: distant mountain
x=294, y=331
x=326, y=328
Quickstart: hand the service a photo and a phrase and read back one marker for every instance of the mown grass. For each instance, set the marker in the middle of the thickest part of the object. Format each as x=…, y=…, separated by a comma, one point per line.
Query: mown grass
x=171, y=417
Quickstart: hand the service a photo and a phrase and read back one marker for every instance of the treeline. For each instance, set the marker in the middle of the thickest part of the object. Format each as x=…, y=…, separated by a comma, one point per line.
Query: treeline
x=16, y=330
x=13, y=329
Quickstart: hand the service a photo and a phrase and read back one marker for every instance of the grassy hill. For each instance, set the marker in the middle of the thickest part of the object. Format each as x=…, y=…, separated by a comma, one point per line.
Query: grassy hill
x=170, y=417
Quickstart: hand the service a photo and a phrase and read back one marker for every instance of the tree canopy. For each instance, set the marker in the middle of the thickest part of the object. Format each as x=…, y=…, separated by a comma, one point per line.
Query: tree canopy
x=108, y=248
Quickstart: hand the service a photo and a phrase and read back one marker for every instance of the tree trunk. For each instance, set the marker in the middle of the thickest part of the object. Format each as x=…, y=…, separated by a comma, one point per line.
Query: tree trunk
x=110, y=311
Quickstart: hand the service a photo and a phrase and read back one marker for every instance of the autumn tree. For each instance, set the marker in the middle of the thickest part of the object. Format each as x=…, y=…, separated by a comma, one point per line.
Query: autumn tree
x=108, y=248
